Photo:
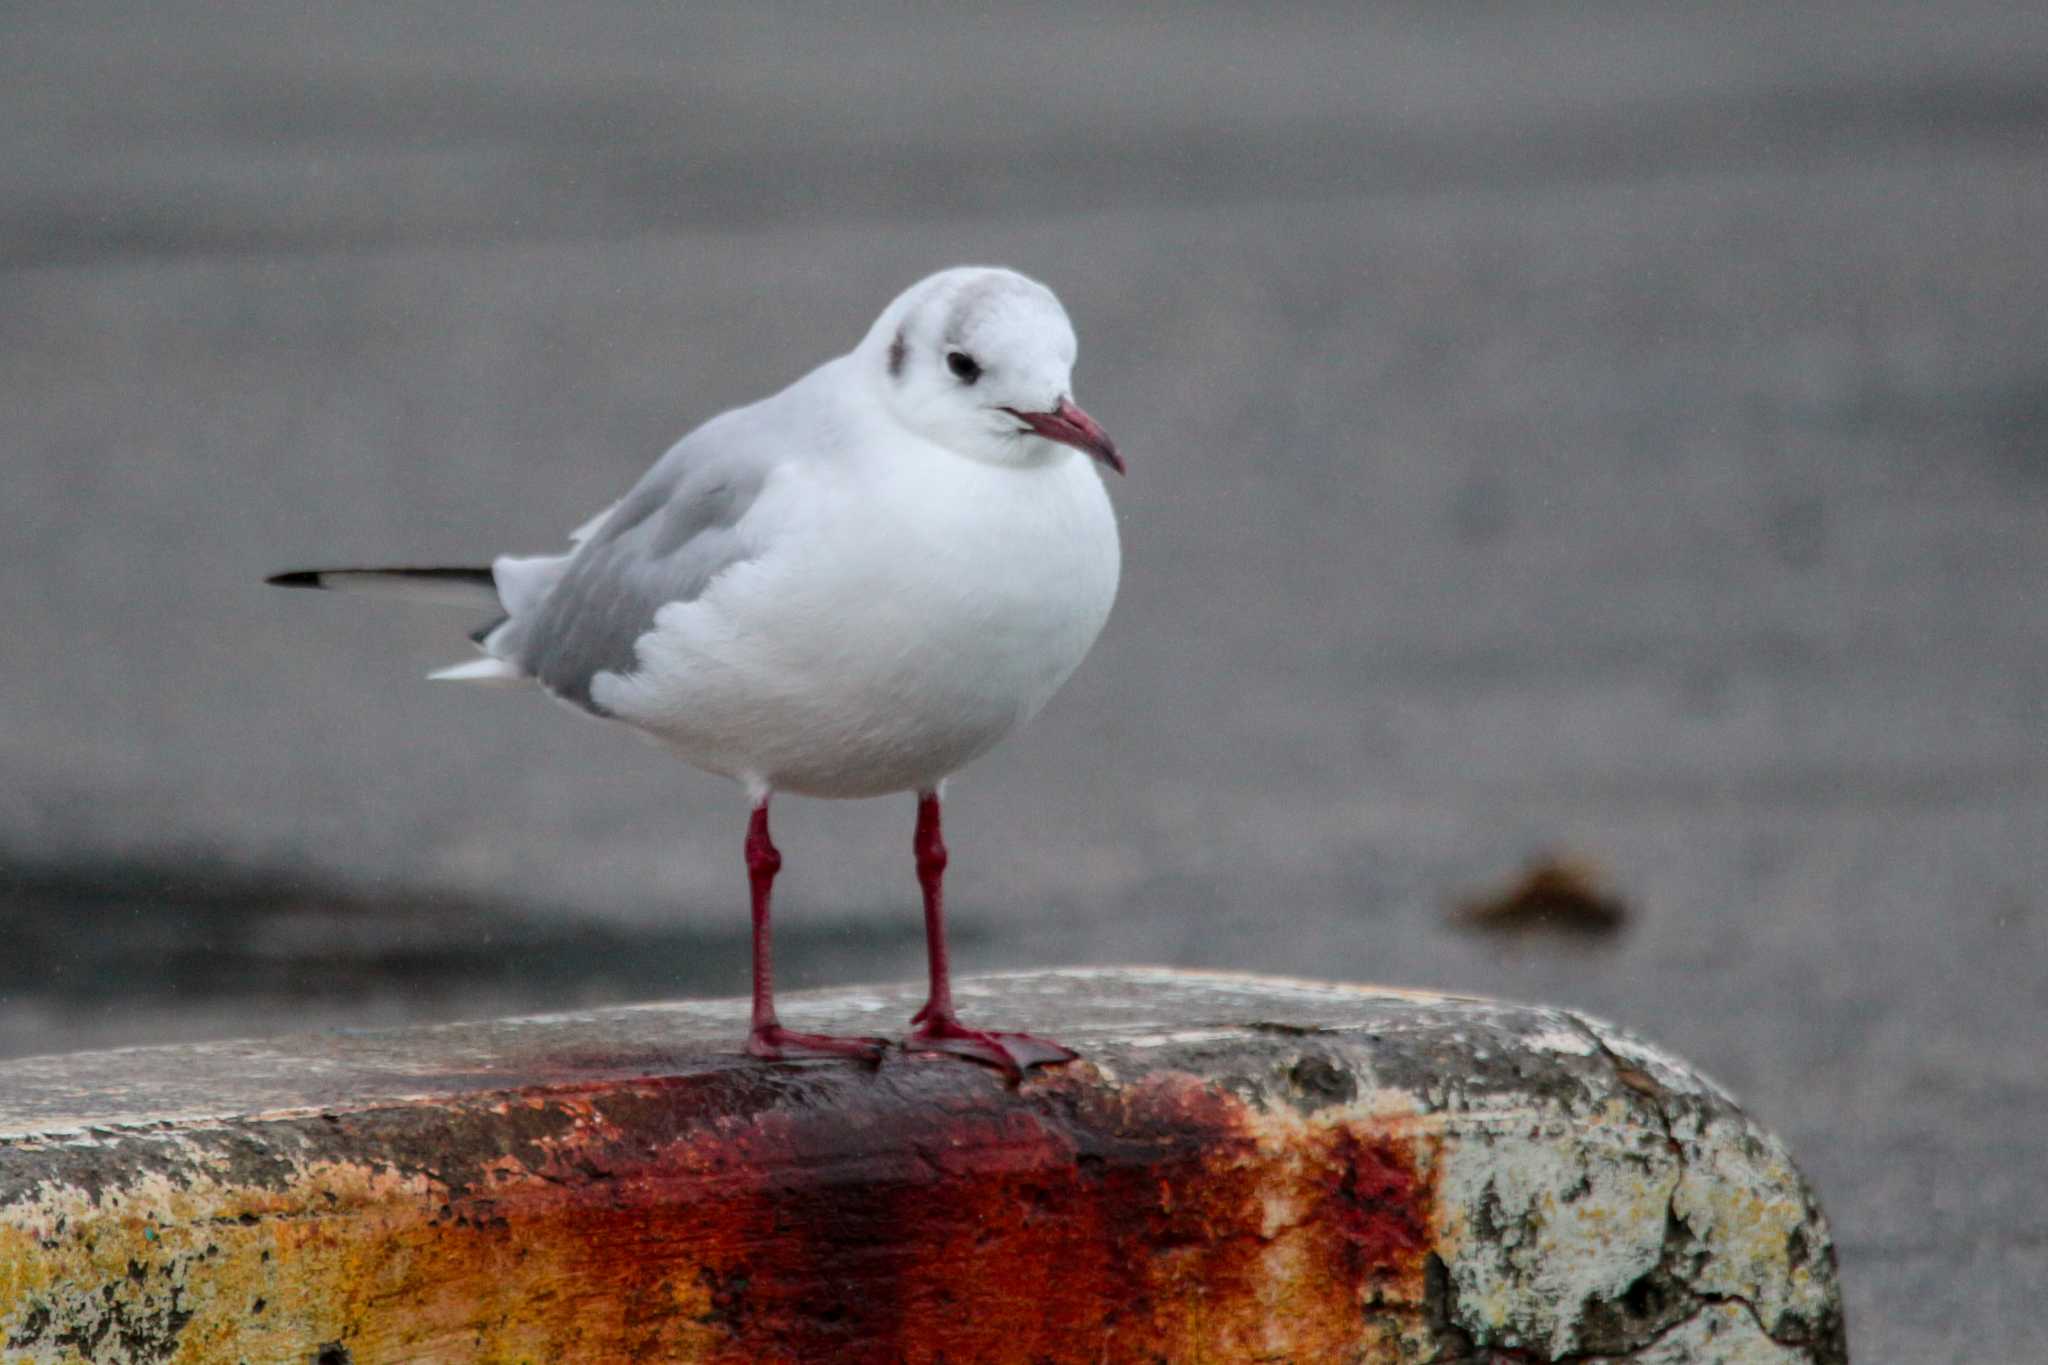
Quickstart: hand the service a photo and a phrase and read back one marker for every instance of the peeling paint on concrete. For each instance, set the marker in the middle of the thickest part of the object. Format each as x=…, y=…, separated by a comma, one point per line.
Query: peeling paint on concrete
x=1540, y=1218
x=1724, y=1333
x=1339, y=1175
x=1740, y=1195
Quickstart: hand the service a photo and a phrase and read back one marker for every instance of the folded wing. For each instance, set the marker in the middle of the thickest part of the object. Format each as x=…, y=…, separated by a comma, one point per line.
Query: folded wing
x=570, y=617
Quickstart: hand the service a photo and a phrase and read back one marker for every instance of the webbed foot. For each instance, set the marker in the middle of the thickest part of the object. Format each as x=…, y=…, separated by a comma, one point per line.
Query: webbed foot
x=1011, y=1053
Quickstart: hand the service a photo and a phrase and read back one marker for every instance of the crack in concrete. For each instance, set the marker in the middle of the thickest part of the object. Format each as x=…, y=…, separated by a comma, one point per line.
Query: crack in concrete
x=1820, y=1345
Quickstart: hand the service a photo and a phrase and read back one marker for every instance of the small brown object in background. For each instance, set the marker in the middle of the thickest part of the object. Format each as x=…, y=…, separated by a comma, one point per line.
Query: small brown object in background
x=1553, y=891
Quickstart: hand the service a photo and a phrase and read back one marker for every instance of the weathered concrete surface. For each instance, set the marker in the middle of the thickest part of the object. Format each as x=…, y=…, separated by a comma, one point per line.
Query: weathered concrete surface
x=1243, y=1168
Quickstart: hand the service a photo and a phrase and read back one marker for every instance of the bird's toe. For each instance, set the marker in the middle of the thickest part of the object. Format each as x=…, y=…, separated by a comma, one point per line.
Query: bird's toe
x=777, y=1044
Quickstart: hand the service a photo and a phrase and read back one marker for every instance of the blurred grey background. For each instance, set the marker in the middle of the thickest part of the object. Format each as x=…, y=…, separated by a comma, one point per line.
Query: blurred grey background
x=1604, y=430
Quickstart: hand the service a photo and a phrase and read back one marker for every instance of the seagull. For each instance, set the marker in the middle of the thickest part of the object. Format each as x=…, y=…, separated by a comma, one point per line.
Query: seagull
x=851, y=588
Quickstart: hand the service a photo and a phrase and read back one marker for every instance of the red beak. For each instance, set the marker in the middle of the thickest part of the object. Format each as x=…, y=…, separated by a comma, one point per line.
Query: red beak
x=1070, y=426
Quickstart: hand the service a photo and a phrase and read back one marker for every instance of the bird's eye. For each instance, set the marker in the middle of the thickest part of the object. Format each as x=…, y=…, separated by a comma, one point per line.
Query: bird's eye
x=963, y=366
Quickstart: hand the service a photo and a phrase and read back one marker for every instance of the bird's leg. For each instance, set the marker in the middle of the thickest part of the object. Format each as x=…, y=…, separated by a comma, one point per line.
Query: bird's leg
x=938, y=1028
x=768, y=1038
x=929, y=846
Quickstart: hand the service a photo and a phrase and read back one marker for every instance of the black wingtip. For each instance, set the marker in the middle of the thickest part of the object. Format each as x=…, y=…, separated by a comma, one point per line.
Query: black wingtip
x=296, y=578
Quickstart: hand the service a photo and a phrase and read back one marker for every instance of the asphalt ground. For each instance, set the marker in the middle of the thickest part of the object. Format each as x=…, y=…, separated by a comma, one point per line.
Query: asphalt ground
x=1569, y=430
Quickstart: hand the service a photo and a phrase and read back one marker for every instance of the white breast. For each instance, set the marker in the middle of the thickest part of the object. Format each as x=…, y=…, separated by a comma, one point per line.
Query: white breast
x=902, y=616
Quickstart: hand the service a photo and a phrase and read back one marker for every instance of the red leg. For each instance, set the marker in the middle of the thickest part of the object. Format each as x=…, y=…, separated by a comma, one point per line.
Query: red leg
x=768, y=1038
x=929, y=846
x=938, y=1028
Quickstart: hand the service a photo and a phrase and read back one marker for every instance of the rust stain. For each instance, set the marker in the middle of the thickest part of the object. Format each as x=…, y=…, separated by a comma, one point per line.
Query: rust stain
x=1379, y=1202
x=1067, y=1224
x=924, y=1214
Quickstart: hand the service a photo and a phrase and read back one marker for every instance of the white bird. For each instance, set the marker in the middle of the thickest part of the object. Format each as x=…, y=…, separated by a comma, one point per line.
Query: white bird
x=850, y=588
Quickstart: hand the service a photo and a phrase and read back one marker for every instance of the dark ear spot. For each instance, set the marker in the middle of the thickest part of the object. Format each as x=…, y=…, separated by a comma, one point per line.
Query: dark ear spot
x=897, y=351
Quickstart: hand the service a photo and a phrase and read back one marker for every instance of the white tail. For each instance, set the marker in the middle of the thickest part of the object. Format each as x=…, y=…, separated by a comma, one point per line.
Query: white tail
x=492, y=672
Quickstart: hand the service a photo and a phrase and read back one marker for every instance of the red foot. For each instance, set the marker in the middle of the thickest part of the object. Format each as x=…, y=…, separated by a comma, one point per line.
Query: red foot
x=1011, y=1053
x=778, y=1044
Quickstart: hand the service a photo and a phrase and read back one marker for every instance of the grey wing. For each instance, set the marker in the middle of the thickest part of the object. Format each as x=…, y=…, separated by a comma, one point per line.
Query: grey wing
x=664, y=542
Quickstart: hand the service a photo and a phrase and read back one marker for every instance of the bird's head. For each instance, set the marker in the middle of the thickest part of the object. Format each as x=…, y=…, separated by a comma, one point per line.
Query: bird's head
x=980, y=361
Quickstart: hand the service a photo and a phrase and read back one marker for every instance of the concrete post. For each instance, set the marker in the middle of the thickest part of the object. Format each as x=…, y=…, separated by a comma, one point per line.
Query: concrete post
x=1241, y=1169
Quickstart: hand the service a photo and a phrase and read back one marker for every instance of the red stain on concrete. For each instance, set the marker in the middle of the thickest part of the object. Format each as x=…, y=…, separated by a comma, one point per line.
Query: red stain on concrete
x=922, y=1212
x=1378, y=1201
x=930, y=1214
